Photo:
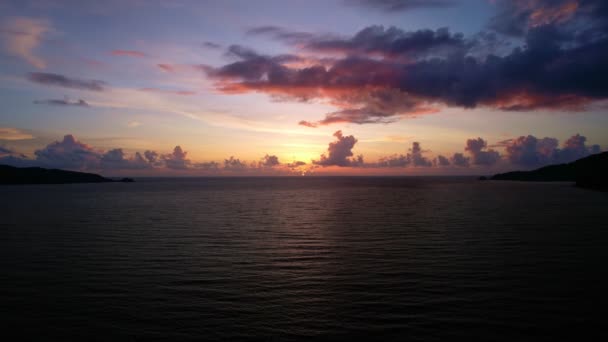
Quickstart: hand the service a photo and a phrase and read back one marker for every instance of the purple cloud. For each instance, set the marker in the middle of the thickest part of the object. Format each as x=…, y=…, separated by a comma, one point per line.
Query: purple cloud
x=66, y=82
x=339, y=152
x=479, y=154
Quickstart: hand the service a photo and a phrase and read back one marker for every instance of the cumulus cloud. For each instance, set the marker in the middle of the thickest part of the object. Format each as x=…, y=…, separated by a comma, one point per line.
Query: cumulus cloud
x=382, y=74
x=415, y=157
x=270, y=161
x=479, y=154
x=339, y=152
x=529, y=151
x=64, y=81
x=234, y=164
x=68, y=153
x=442, y=161
x=116, y=159
x=177, y=159
x=459, y=159
x=63, y=102
x=22, y=36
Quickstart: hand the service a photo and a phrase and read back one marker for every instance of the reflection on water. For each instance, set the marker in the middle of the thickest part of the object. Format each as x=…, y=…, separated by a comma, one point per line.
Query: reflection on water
x=415, y=258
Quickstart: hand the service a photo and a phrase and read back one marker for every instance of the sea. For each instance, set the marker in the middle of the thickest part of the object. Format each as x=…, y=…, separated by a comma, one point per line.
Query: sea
x=298, y=258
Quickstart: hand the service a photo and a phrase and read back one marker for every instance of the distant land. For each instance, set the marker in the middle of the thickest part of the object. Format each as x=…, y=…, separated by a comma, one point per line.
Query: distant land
x=38, y=175
x=589, y=172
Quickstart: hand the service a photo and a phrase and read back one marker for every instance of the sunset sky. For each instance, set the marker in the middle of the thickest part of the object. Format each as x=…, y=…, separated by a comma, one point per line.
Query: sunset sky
x=395, y=87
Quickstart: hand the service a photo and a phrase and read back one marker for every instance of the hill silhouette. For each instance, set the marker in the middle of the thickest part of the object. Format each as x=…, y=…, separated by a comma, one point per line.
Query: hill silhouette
x=38, y=175
x=589, y=172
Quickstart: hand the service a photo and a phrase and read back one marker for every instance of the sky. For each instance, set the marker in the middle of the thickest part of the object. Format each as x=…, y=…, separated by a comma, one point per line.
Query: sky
x=342, y=87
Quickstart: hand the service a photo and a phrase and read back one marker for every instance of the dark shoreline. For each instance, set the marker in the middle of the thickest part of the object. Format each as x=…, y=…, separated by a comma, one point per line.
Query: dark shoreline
x=10, y=175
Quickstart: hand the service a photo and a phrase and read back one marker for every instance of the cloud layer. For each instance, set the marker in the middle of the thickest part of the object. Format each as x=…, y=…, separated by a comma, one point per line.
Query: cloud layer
x=522, y=152
x=381, y=74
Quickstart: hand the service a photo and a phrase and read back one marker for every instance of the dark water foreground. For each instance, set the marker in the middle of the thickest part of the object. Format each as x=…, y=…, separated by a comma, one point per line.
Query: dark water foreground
x=402, y=259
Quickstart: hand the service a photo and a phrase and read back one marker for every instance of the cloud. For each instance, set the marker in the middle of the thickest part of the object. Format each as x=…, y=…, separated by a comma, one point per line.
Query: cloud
x=134, y=124
x=66, y=82
x=168, y=91
x=270, y=161
x=68, y=153
x=166, y=67
x=394, y=42
x=234, y=164
x=383, y=74
x=458, y=159
x=442, y=161
x=23, y=35
x=208, y=166
x=177, y=159
x=391, y=6
x=63, y=102
x=9, y=133
x=281, y=33
x=116, y=160
x=212, y=45
x=7, y=155
x=396, y=160
x=129, y=53
x=530, y=151
x=479, y=154
x=516, y=18
x=416, y=156
x=339, y=152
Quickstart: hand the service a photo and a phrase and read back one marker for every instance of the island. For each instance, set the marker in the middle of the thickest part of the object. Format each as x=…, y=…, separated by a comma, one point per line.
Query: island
x=38, y=175
x=590, y=172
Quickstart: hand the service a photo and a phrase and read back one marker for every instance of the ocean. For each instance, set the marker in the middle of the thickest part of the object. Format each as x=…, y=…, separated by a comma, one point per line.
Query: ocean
x=292, y=258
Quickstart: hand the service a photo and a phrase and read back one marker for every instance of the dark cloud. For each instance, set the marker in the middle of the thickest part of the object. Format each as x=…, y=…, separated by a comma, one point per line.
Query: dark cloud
x=116, y=160
x=385, y=74
x=63, y=102
x=416, y=156
x=212, y=45
x=442, y=161
x=479, y=154
x=234, y=164
x=270, y=161
x=208, y=166
x=394, y=42
x=63, y=81
x=339, y=152
x=458, y=159
x=396, y=160
x=529, y=151
x=177, y=159
x=152, y=157
x=390, y=6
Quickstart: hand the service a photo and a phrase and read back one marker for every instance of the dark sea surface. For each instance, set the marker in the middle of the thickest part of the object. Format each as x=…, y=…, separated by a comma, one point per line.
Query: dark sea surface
x=287, y=258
